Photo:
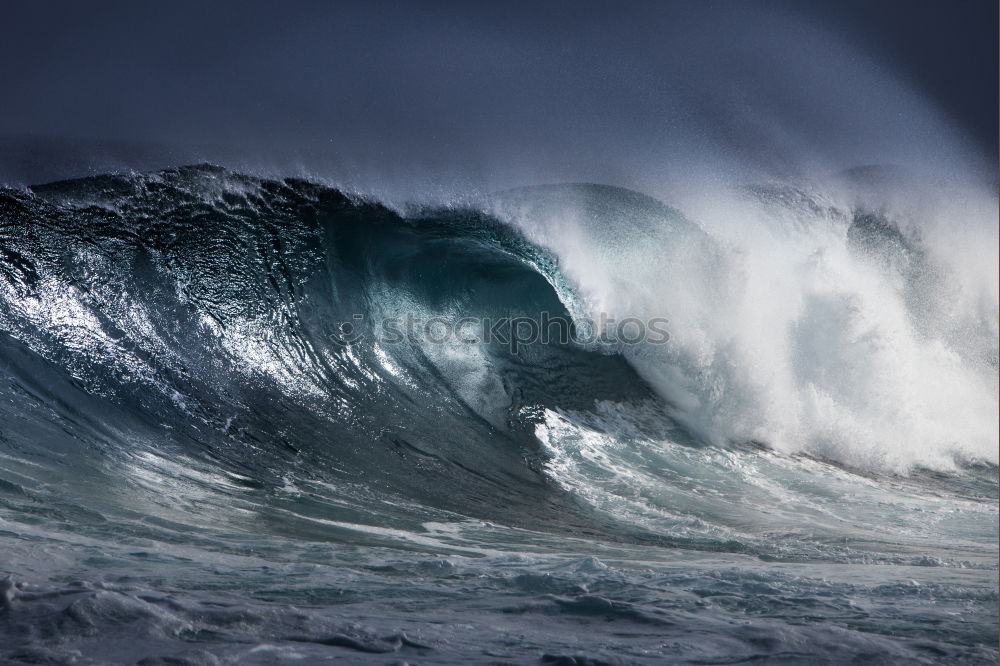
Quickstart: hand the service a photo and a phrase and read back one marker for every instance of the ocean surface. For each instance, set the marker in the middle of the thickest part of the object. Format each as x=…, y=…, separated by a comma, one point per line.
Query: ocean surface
x=211, y=452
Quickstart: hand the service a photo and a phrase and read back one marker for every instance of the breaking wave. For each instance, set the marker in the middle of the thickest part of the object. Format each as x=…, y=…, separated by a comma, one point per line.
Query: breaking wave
x=174, y=365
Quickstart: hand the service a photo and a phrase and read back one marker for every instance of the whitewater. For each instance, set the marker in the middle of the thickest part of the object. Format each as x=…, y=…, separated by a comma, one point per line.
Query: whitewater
x=196, y=468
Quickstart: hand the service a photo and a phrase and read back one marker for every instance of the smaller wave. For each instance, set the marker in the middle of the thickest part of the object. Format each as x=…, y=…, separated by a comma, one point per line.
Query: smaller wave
x=632, y=464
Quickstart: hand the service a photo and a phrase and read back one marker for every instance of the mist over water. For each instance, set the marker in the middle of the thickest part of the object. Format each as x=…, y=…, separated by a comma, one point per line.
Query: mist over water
x=809, y=320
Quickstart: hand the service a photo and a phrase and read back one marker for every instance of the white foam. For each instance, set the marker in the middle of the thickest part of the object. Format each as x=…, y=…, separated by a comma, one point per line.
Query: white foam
x=783, y=333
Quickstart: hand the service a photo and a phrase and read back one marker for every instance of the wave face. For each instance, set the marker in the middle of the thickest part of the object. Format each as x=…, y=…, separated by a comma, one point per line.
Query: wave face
x=180, y=404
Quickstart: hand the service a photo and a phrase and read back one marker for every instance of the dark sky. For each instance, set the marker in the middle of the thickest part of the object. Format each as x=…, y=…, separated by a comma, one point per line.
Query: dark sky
x=946, y=48
x=491, y=93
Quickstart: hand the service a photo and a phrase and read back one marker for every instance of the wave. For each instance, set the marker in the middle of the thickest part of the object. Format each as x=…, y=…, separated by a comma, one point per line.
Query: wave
x=194, y=314
x=188, y=326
